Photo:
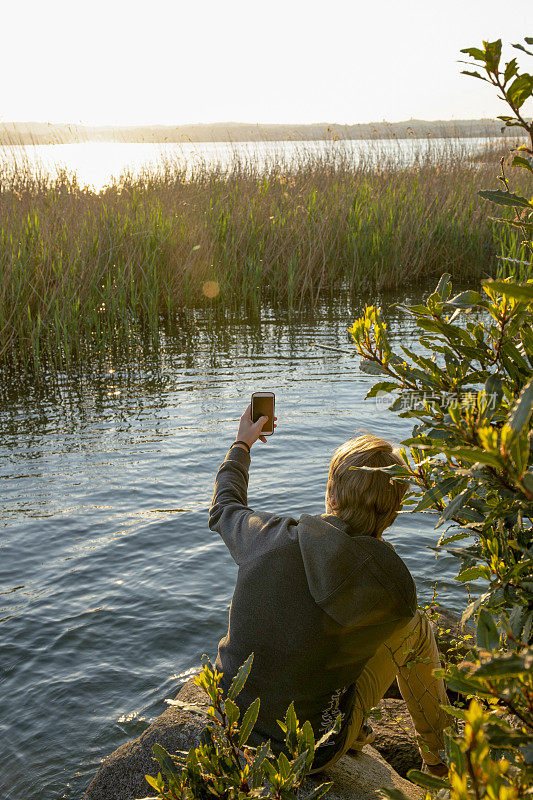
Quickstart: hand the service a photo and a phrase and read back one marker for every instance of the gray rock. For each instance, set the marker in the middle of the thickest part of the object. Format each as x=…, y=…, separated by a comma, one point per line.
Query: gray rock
x=395, y=736
x=121, y=774
x=356, y=776
x=361, y=776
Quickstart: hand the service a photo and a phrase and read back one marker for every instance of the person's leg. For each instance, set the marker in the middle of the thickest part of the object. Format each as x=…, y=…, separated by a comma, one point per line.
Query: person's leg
x=410, y=654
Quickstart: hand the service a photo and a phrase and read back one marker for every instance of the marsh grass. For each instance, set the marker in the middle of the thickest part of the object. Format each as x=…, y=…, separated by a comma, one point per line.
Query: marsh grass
x=81, y=271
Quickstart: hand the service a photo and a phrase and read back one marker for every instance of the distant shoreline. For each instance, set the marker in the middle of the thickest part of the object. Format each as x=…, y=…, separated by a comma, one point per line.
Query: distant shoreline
x=37, y=133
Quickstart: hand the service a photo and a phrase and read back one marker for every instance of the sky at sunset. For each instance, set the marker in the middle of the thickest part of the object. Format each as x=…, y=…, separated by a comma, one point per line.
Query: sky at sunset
x=173, y=62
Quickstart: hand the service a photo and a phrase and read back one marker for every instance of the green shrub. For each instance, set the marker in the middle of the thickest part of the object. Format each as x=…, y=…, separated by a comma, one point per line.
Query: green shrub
x=470, y=460
x=223, y=766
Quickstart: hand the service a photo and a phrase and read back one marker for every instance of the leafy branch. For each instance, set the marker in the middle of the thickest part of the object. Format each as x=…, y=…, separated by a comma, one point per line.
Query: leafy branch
x=224, y=766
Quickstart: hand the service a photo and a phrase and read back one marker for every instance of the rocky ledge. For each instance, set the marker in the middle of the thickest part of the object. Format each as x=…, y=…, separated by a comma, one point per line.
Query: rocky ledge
x=356, y=776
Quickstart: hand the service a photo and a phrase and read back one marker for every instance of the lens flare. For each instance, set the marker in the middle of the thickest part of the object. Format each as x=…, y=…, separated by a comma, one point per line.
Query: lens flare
x=210, y=288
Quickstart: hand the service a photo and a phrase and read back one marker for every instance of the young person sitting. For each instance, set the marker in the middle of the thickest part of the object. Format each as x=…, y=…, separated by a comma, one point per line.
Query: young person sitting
x=326, y=605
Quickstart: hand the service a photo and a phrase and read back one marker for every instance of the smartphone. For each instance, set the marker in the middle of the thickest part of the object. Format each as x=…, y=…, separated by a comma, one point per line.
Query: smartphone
x=263, y=404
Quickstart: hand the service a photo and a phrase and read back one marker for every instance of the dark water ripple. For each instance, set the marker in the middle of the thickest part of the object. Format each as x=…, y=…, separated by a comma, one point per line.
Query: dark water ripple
x=112, y=585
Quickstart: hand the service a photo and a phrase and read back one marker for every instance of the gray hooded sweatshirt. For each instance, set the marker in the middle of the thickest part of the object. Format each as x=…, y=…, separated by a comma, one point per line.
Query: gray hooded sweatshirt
x=313, y=602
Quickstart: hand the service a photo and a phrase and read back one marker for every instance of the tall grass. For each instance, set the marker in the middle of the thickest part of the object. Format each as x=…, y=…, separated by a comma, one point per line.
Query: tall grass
x=81, y=269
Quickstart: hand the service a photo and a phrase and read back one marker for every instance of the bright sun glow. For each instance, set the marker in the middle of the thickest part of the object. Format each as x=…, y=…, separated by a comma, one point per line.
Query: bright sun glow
x=172, y=62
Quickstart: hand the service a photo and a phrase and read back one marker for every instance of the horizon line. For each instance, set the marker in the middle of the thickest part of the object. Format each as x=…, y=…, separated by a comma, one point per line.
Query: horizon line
x=251, y=124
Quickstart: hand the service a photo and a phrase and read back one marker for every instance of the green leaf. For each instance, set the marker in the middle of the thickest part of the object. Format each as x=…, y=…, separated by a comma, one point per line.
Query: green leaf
x=240, y=678
x=473, y=574
x=248, y=721
x=154, y=783
x=444, y=286
x=500, y=735
x=283, y=765
x=488, y=636
x=454, y=754
x=298, y=765
x=382, y=386
x=291, y=722
x=370, y=367
x=467, y=299
x=192, y=758
x=456, y=504
x=519, y=450
x=308, y=740
x=493, y=51
x=511, y=666
x=519, y=161
x=427, y=781
x=416, y=310
x=438, y=491
x=473, y=74
x=320, y=791
x=393, y=794
x=526, y=337
x=291, y=719
x=232, y=711
x=494, y=389
x=269, y=770
x=522, y=291
x=472, y=607
x=520, y=89
x=461, y=684
x=261, y=753
x=454, y=538
x=521, y=412
x=474, y=455
x=522, y=48
x=511, y=69
x=510, y=351
x=167, y=765
x=505, y=198
x=475, y=52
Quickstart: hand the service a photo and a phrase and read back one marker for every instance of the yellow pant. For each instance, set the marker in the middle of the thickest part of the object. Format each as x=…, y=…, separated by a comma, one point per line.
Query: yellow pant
x=409, y=655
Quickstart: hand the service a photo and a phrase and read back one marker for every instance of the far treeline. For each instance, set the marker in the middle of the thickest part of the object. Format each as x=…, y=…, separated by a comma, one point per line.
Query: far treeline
x=21, y=133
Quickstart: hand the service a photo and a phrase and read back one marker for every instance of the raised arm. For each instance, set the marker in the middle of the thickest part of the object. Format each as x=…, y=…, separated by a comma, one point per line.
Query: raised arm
x=239, y=526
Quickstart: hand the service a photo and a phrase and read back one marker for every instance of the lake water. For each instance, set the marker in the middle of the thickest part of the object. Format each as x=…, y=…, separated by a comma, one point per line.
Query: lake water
x=96, y=164
x=112, y=584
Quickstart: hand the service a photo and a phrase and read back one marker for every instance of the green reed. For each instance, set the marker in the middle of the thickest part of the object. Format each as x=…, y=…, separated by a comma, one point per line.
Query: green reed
x=82, y=271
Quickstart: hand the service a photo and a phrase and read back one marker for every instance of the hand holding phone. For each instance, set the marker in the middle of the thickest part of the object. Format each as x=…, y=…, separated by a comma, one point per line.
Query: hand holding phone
x=249, y=431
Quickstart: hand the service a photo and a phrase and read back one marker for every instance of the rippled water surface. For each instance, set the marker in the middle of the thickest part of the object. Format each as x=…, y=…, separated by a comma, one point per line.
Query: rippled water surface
x=112, y=584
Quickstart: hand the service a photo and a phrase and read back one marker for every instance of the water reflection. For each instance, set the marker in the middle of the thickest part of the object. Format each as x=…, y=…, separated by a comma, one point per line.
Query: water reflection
x=97, y=164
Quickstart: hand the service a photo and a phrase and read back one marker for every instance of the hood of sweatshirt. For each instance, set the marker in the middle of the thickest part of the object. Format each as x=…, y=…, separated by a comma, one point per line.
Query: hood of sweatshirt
x=357, y=580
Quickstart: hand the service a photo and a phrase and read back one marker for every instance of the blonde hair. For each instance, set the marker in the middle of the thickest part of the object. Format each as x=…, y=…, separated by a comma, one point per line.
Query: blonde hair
x=368, y=501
